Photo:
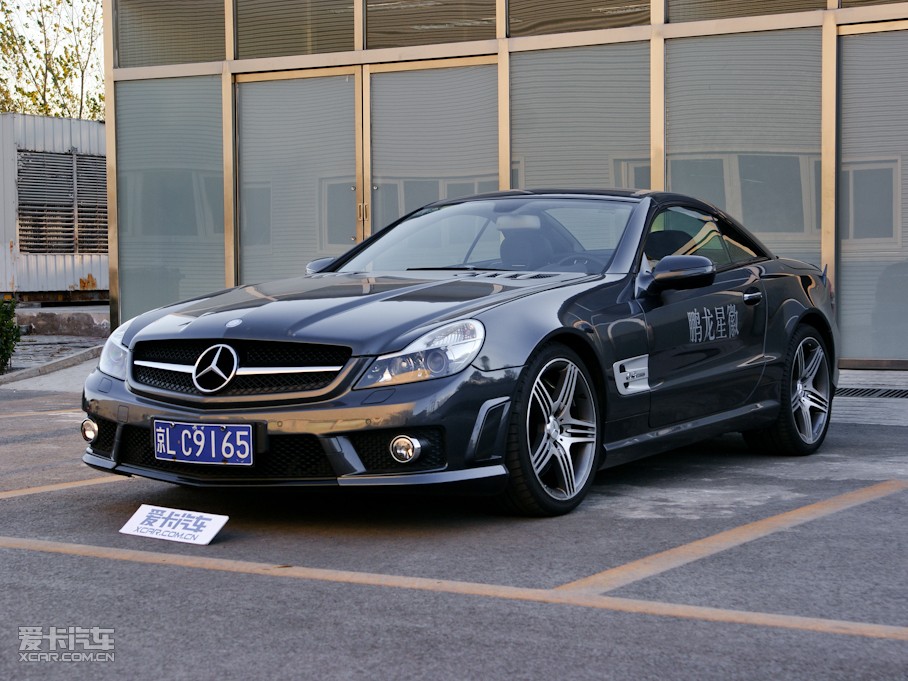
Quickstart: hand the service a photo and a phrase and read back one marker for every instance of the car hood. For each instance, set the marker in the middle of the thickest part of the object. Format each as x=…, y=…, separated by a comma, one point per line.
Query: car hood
x=369, y=313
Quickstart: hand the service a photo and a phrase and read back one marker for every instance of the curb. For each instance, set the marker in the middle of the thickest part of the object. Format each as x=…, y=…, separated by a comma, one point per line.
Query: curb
x=65, y=322
x=50, y=367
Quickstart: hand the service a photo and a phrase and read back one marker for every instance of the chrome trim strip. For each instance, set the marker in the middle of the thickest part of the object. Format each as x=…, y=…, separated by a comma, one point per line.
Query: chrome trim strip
x=179, y=368
x=269, y=371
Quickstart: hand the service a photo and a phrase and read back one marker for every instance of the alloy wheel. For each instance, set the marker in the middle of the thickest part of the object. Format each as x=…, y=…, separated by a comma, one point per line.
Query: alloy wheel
x=561, y=429
x=810, y=388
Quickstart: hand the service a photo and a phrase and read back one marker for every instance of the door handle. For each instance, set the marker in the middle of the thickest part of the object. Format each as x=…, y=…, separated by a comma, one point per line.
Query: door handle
x=752, y=296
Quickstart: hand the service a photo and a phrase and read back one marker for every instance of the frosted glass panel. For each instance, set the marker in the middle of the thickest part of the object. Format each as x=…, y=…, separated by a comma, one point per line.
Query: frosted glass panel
x=864, y=3
x=743, y=131
x=429, y=140
x=537, y=17
x=154, y=32
x=297, y=174
x=427, y=22
x=698, y=10
x=872, y=193
x=170, y=190
x=580, y=117
x=276, y=28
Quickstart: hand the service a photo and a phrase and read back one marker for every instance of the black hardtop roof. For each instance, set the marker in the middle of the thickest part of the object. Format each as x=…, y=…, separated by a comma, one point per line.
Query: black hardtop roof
x=635, y=195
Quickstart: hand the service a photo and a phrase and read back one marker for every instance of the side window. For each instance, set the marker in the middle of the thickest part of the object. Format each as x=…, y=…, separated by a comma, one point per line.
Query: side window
x=681, y=231
x=740, y=247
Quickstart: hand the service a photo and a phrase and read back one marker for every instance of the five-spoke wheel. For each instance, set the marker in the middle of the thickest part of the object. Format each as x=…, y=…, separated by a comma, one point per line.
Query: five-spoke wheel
x=806, y=397
x=810, y=390
x=554, y=440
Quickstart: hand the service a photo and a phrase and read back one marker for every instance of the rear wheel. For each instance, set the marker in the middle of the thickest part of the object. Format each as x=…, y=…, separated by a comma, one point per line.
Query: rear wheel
x=806, y=398
x=554, y=441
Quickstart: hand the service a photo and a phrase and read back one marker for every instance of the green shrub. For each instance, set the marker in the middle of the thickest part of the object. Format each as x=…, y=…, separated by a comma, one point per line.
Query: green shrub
x=9, y=332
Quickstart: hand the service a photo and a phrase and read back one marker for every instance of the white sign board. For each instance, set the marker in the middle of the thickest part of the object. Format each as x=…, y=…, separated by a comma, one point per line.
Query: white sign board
x=173, y=524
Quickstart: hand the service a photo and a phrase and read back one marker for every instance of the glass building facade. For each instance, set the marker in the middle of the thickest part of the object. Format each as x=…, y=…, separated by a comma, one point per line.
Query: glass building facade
x=248, y=137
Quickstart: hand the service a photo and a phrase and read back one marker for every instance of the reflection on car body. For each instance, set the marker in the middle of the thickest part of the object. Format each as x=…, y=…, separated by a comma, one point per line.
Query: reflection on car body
x=513, y=343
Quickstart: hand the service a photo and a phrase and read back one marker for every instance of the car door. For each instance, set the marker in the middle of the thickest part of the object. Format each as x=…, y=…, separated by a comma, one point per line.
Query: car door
x=706, y=344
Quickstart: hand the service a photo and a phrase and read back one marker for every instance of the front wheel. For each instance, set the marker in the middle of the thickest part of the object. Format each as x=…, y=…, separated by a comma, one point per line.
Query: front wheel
x=554, y=438
x=806, y=399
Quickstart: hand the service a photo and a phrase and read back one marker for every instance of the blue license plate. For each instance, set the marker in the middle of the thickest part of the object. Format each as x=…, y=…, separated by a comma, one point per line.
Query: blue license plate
x=211, y=443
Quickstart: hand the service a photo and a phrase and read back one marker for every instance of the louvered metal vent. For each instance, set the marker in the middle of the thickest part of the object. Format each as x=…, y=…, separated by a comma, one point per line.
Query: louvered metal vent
x=507, y=275
x=886, y=393
x=62, y=203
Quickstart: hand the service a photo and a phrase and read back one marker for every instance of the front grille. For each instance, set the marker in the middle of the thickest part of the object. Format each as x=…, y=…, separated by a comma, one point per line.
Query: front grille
x=160, y=379
x=289, y=457
x=372, y=449
x=259, y=355
x=259, y=384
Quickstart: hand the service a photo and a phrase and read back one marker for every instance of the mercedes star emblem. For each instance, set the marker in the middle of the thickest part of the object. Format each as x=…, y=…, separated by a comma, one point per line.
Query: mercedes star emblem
x=214, y=368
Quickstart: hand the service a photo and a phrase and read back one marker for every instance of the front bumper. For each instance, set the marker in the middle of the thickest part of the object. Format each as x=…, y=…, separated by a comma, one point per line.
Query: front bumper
x=462, y=421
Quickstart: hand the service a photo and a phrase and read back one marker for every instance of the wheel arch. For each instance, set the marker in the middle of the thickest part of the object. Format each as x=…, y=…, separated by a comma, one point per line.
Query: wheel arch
x=793, y=313
x=815, y=320
x=542, y=487
x=591, y=360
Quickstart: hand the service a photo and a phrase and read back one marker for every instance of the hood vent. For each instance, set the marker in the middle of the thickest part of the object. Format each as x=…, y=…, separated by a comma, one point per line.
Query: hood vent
x=509, y=275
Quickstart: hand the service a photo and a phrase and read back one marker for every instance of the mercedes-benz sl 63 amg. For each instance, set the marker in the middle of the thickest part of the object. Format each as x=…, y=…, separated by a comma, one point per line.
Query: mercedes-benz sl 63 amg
x=516, y=342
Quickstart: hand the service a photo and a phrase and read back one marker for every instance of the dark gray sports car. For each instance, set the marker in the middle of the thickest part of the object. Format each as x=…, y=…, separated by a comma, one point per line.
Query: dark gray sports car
x=517, y=342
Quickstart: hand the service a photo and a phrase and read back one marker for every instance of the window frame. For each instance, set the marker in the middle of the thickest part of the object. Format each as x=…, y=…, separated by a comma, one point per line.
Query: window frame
x=732, y=186
x=845, y=224
x=725, y=227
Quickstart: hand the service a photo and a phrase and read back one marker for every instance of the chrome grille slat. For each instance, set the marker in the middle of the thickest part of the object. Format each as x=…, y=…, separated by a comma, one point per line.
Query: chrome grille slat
x=164, y=366
x=268, y=371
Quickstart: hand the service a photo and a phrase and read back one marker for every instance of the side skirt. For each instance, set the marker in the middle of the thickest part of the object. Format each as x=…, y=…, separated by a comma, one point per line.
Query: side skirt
x=680, y=434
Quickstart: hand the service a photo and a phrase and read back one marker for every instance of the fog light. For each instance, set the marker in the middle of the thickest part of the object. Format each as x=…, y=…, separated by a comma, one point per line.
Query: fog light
x=405, y=449
x=89, y=430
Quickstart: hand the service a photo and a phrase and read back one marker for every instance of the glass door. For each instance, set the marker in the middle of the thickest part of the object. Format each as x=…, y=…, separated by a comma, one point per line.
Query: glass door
x=431, y=133
x=299, y=184
x=872, y=229
x=310, y=142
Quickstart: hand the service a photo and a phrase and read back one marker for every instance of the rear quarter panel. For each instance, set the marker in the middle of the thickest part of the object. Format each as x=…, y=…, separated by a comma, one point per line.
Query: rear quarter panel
x=796, y=293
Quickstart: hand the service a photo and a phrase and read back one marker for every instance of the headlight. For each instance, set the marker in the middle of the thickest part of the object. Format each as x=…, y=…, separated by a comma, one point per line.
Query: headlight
x=442, y=352
x=115, y=357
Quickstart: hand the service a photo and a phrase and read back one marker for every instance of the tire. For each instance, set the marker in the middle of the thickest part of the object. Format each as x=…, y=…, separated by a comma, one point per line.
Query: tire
x=554, y=440
x=805, y=397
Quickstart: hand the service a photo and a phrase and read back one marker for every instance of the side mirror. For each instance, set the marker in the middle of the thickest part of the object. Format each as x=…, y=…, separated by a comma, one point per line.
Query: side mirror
x=679, y=272
x=318, y=265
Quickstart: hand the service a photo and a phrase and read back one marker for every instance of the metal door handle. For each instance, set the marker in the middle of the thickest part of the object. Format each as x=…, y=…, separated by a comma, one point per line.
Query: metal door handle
x=752, y=296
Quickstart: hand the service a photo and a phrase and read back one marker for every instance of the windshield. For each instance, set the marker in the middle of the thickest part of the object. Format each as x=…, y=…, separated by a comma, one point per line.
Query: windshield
x=513, y=234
